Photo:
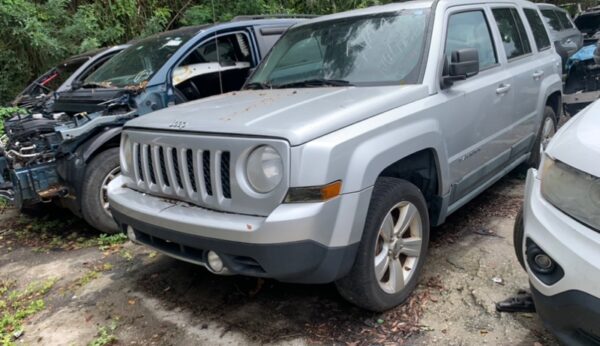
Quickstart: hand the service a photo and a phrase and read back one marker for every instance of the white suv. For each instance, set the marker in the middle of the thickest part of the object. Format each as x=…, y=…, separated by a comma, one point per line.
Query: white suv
x=557, y=239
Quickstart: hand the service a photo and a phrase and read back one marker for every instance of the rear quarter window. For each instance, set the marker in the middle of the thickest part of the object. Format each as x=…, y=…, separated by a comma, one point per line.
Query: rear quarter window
x=542, y=41
x=512, y=31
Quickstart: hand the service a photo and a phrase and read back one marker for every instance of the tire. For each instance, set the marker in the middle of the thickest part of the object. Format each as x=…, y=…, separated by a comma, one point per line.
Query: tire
x=361, y=287
x=92, y=206
x=535, y=157
x=518, y=237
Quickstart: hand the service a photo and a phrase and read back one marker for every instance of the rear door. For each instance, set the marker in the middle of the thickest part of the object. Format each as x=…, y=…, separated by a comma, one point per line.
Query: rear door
x=572, y=40
x=527, y=71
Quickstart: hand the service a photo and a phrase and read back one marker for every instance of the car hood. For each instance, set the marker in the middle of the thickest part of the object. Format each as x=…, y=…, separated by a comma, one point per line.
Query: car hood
x=577, y=143
x=297, y=115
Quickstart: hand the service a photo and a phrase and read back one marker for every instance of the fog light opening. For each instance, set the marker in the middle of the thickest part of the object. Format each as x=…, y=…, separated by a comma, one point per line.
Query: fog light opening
x=215, y=263
x=544, y=262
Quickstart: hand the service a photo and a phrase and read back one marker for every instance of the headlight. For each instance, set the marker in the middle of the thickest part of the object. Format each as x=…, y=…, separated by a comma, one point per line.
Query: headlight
x=574, y=192
x=264, y=169
x=126, y=153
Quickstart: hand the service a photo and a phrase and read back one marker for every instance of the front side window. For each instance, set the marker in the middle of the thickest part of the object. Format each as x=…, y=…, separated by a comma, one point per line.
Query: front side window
x=380, y=49
x=471, y=30
x=512, y=32
x=537, y=27
x=552, y=19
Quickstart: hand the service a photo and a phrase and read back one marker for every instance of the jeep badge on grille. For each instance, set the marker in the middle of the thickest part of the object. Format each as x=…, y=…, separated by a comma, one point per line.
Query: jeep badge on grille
x=178, y=124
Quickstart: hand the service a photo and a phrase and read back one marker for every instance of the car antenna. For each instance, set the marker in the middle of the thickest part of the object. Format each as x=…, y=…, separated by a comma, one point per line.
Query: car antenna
x=217, y=46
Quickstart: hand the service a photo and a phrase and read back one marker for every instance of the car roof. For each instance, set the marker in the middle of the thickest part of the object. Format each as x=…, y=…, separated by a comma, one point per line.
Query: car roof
x=195, y=29
x=550, y=7
x=398, y=6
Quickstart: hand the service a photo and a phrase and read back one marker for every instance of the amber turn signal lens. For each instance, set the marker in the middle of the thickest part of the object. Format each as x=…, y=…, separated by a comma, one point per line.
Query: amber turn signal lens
x=314, y=193
x=332, y=190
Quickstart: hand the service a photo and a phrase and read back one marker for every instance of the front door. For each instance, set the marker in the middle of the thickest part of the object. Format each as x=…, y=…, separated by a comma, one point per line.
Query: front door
x=481, y=107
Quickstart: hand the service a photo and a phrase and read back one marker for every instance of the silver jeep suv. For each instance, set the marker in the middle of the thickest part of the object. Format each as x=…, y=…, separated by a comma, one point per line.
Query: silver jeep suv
x=357, y=133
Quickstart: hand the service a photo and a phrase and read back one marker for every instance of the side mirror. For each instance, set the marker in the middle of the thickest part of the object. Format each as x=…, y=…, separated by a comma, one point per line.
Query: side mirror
x=464, y=63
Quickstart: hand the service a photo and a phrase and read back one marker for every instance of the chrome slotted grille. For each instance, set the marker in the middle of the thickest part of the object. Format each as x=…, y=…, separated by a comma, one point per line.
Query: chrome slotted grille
x=208, y=171
x=176, y=172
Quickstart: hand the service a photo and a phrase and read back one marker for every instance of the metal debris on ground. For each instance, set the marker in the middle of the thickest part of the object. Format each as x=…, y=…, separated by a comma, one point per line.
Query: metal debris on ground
x=522, y=302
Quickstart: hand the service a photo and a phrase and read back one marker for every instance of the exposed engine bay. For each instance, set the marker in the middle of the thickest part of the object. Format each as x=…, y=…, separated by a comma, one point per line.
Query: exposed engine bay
x=33, y=143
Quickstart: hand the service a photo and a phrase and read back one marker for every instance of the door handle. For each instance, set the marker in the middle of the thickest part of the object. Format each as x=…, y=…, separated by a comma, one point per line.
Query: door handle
x=503, y=89
x=538, y=74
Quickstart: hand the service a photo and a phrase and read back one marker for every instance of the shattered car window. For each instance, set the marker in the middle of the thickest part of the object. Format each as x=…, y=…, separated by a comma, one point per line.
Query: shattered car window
x=138, y=63
x=375, y=49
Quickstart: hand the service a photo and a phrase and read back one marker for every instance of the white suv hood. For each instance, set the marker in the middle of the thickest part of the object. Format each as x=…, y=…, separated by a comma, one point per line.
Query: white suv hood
x=578, y=142
x=298, y=115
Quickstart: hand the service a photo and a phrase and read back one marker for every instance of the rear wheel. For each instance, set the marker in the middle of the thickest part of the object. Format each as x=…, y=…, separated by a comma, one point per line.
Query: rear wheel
x=392, y=249
x=94, y=201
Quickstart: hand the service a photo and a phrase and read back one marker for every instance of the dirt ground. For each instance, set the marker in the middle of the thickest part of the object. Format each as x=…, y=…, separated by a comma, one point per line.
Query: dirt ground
x=100, y=291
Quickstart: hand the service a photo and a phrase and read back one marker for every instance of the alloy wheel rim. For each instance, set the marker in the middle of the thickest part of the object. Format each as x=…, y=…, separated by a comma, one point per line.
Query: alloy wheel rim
x=547, y=134
x=398, y=247
x=104, y=192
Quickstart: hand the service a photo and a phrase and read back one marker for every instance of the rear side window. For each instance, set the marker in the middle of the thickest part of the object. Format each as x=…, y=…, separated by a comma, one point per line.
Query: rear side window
x=552, y=19
x=471, y=30
x=537, y=27
x=512, y=31
x=565, y=22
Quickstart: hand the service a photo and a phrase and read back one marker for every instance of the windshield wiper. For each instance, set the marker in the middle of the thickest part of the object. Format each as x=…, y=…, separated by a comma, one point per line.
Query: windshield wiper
x=94, y=85
x=317, y=82
x=256, y=85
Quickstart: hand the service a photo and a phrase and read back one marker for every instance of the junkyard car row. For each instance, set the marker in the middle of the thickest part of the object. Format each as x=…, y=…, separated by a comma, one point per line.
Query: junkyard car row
x=355, y=134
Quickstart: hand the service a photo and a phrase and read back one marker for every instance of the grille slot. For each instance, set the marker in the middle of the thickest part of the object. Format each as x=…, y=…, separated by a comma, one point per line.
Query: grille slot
x=151, y=164
x=138, y=162
x=189, y=156
x=163, y=166
x=175, y=155
x=206, y=171
x=225, y=183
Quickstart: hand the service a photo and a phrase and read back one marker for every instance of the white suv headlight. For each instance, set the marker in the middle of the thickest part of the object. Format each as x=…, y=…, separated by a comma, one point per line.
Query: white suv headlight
x=574, y=192
x=264, y=169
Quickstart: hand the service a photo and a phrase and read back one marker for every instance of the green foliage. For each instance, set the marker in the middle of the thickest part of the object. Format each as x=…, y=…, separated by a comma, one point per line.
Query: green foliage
x=17, y=305
x=7, y=112
x=105, y=336
x=106, y=241
x=40, y=33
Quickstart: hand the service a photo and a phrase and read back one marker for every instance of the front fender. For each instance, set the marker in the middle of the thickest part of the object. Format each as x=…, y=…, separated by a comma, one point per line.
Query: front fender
x=359, y=153
x=92, y=145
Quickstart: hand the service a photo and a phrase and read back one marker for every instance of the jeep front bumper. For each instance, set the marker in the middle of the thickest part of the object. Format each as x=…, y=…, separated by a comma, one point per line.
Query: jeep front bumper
x=304, y=242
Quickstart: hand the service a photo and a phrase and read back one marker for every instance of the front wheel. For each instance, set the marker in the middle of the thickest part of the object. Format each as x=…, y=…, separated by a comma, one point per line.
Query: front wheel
x=94, y=202
x=392, y=250
x=545, y=134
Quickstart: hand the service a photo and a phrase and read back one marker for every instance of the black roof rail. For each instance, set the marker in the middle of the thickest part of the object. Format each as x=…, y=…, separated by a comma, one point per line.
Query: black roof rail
x=273, y=16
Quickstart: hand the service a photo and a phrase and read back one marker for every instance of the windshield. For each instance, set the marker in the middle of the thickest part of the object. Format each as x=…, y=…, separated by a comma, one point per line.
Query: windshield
x=370, y=50
x=138, y=63
x=588, y=23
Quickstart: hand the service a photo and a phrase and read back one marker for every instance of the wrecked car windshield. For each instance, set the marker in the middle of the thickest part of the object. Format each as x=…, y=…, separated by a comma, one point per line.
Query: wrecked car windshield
x=385, y=48
x=139, y=62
